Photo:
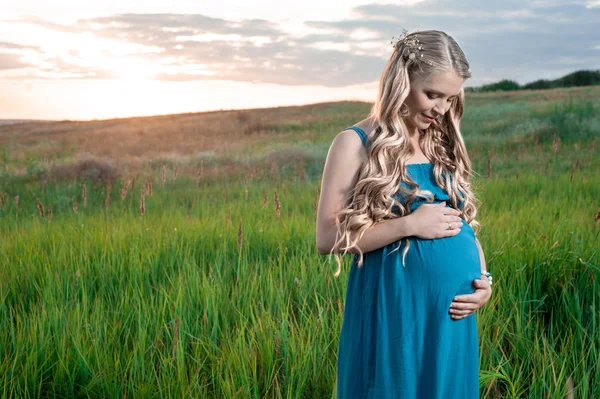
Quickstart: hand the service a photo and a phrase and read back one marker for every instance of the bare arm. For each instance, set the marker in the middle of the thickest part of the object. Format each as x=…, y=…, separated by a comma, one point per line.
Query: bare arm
x=340, y=175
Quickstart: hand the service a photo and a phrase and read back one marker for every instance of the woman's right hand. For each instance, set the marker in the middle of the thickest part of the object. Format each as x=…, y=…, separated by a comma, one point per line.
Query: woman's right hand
x=430, y=221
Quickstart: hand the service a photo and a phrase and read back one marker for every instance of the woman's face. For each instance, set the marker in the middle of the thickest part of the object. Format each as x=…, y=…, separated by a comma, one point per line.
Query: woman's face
x=431, y=98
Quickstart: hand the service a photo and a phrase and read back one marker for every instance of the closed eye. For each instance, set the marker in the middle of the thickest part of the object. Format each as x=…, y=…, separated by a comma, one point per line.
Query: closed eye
x=432, y=97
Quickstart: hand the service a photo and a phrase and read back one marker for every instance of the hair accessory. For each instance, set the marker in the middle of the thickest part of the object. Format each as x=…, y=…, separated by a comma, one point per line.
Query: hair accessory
x=413, y=44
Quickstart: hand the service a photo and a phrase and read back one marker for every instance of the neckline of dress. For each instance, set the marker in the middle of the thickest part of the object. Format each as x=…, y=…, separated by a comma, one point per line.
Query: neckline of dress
x=417, y=164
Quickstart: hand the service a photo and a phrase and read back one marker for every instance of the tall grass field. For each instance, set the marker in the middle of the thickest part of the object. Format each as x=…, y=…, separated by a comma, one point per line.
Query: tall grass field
x=175, y=257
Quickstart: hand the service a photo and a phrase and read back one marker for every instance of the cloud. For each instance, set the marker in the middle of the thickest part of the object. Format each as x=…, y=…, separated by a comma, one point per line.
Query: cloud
x=510, y=39
x=10, y=61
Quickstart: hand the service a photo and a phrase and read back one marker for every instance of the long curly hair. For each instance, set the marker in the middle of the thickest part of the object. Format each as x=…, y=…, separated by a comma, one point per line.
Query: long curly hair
x=388, y=147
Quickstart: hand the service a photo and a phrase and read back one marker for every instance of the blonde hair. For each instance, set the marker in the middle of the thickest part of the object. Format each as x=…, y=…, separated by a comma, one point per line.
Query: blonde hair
x=388, y=148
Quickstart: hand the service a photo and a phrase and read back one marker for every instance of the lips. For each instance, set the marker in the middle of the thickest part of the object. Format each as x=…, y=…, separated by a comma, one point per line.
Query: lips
x=428, y=118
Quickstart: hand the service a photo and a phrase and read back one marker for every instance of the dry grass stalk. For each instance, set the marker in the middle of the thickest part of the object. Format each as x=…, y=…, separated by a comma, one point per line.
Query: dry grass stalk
x=597, y=217
x=229, y=215
x=276, y=344
x=107, y=198
x=49, y=213
x=546, y=168
x=133, y=186
x=2, y=201
x=277, y=204
x=316, y=201
x=175, y=337
x=252, y=172
x=569, y=388
x=555, y=143
x=266, y=200
x=75, y=204
x=240, y=236
x=18, y=200
x=83, y=195
x=246, y=193
x=489, y=165
x=43, y=186
x=224, y=195
x=149, y=187
x=175, y=172
x=142, y=202
x=125, y=187
x=40, y=207
x=164, y=174
x=517, y=175
x=199, y=173
x=572, y=171
x=577, y=163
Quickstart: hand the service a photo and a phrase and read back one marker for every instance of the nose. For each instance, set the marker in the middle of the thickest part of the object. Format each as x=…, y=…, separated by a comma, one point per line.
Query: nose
x=439, y=110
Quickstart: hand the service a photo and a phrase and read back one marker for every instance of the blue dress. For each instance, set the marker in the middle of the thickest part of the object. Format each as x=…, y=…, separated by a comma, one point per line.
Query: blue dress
x=398, y=339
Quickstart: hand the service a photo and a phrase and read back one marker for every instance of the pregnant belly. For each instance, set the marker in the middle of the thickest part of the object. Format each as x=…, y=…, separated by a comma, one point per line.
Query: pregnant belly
x=445, y=266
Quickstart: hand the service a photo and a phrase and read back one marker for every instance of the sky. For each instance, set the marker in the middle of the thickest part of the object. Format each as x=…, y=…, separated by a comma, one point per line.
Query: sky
x=68, y=59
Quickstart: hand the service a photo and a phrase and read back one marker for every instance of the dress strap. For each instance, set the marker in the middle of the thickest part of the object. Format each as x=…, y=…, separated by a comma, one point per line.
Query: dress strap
x=361, y=134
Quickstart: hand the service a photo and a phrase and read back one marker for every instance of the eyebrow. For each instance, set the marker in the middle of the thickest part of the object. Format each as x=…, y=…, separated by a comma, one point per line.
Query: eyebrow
x=439, y=92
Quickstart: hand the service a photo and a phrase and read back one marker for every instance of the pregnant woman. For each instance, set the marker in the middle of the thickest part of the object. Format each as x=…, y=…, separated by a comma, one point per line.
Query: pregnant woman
x=396, y=193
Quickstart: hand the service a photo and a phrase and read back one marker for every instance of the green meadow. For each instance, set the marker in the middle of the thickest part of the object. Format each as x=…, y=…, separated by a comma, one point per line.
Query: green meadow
x=209, y=285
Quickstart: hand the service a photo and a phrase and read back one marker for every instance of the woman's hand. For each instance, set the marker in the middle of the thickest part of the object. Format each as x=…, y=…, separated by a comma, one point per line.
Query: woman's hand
x=435, y=221
x=465, y=305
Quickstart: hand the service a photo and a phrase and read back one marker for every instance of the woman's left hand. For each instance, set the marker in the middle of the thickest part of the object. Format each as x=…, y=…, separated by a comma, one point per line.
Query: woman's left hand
x=465, y=305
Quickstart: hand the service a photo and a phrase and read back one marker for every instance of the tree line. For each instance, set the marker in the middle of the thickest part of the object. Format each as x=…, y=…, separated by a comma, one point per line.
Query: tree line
x=578, y=78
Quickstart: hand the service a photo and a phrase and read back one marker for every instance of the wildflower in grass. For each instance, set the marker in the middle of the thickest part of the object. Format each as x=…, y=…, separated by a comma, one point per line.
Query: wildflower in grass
x=555, y=143
x=40, y=207
x=149, y=187
x=75, y=204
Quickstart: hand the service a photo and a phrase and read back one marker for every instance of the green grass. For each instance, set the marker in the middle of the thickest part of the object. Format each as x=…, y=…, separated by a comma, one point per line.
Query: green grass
x=110, y=303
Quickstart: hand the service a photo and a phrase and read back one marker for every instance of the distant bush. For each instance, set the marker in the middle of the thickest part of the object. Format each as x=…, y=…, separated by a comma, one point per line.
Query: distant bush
x=88, y=168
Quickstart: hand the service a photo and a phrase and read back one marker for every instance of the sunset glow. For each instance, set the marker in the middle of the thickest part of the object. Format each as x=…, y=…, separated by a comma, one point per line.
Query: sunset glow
x=120, y=59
